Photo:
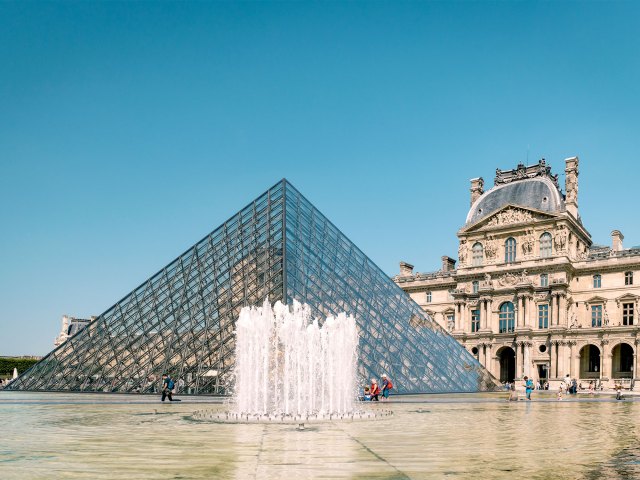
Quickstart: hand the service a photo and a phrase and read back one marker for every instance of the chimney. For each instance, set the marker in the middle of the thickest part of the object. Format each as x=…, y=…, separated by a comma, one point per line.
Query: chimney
x=406, y=269
x=571, y=185
x=616, y=240
x=477, y=189
x=448, y=264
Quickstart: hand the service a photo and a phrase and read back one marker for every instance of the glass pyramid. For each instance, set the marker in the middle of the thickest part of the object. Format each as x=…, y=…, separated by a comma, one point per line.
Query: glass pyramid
x=181, y=320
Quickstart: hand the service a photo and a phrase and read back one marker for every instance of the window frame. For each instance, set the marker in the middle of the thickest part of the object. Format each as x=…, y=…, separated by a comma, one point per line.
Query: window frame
x=510, y=250
x=628, y=313
x=546, y=248
x=597, y=280
x=429, y=296
x=544, y=279
x=596, y=315
x=475, y=320
x=475, y=286
x=477, y=255
x=543, y=316
x=628, y=278
x=506, y=318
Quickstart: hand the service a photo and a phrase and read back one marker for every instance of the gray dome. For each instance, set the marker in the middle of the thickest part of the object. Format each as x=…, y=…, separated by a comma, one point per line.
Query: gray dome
x=538, y=193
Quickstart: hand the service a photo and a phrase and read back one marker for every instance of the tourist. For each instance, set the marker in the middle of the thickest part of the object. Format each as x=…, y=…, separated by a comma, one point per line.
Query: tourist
x=513, y=395
x=386, y=387
x=618, y=392
x=574, y=386
x=559, y=396
x=591, y=388
x=538, y=386
x=167, y=387
x=528, y=385
x=375, y=390
x=367, y=393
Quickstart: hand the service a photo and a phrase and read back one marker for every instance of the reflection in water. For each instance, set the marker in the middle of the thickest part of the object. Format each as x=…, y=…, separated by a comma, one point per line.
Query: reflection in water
x=481, y=436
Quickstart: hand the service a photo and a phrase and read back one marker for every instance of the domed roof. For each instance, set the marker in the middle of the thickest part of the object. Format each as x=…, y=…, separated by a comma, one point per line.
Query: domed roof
x=539, y=193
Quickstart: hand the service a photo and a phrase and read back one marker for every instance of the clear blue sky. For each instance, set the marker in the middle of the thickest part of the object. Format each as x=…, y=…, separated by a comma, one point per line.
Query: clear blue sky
x=129, y=131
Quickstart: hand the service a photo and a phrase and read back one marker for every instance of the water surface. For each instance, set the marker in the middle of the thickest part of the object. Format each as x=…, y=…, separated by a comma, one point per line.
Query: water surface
x=47, y=436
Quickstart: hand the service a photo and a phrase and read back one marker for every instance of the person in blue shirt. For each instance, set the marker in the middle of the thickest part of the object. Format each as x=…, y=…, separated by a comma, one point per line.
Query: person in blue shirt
x=167, y=387
x=528, y=385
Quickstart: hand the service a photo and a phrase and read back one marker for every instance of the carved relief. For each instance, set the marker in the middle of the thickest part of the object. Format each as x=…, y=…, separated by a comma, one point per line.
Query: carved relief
x=508, y=279
x=491, y=248
x=560, y=238
x=462, y=252
x=510, y=215
x=528, y=242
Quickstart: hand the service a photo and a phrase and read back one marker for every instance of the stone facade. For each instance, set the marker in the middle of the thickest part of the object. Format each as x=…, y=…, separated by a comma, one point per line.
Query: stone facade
x=531, y=294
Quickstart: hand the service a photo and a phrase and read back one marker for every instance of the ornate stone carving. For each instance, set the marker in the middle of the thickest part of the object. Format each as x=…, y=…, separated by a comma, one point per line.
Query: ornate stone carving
x=508, y=279
x=522, y=172
x=528, y=242
x=491, y=248
x=560, y=238
x=462, y=252
x=510, y=215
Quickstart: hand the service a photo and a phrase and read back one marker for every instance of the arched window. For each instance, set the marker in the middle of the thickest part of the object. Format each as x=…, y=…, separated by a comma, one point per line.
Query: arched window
x=477, y=254
x=507, y=318
x=597, y=281
x=545, y=245
x=544, y=280
x=475, y=285
x=510, y=250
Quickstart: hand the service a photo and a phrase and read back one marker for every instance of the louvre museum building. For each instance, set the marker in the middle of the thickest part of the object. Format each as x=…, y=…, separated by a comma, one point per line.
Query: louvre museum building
x=531, y=294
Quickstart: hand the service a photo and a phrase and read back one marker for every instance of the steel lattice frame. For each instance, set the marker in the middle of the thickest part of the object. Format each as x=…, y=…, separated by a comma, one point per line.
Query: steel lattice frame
x=181, y=320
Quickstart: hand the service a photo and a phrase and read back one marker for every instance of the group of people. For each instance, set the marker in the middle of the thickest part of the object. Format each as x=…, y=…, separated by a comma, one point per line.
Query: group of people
x=377, y=392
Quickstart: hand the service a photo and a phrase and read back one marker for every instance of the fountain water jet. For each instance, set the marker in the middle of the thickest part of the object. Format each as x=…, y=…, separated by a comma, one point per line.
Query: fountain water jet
x=289, y=364
x=291, y=369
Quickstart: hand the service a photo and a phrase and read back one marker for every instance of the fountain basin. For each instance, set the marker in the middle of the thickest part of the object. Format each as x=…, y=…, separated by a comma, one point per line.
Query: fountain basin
x=233, y=417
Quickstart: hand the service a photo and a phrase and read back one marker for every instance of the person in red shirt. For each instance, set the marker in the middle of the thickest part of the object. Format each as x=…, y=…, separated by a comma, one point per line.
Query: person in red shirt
x=375, y=390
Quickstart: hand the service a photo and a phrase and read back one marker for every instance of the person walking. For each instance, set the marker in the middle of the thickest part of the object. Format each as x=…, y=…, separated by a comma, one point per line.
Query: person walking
x=528, y=385
x=167, y=387
x=386, y=387
x=375, y=390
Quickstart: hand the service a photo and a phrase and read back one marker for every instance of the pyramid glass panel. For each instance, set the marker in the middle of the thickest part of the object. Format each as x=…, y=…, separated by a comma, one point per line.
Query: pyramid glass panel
x=181, y=320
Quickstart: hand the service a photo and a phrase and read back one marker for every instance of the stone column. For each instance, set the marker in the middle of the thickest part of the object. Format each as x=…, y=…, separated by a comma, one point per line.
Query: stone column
x=552, y=308
x=519, y=360
x=562, y=310
x=531, y=313
x=527, y=359
x=635, y=366
x=562, y=358
x=487, y=362
x=519, y=313
x=605, y=358
x=572, y=370
x=553, y=372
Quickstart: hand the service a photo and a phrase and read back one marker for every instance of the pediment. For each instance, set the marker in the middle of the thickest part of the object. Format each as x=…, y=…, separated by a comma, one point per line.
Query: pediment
x=595, y=299
x=508, y=215
x=627, y=297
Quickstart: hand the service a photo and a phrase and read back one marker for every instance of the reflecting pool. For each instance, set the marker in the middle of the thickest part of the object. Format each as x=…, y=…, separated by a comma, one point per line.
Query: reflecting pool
x=454, y=436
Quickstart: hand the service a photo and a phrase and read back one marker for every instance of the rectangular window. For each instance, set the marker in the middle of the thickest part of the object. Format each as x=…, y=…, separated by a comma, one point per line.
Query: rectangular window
x=627, y=313
x=628, y=278
x=475, y=286
x=428, y=297
x=475, y=320
x=596, y=315
x=451, y=322
x=544, y=280
x=597, y=281
x=543, y=316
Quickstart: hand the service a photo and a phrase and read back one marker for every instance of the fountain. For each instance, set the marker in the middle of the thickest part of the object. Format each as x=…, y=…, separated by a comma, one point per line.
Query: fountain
x=291, y=368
